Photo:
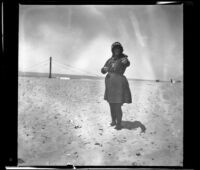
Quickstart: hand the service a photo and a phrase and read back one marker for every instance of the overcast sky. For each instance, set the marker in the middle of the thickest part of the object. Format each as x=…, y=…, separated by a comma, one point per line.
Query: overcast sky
x=81, y=36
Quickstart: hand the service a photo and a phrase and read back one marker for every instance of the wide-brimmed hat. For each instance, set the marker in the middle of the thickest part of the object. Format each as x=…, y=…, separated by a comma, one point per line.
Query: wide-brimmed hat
x=116, y=45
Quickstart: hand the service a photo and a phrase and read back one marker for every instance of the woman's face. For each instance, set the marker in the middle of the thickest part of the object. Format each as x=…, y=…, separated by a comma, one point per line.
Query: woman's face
x=116, y=51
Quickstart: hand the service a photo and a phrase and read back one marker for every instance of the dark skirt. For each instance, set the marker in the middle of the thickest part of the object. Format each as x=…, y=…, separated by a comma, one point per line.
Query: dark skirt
x=117, y=89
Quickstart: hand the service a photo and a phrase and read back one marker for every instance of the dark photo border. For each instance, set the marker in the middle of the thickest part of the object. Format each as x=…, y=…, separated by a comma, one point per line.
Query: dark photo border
x=9, y=77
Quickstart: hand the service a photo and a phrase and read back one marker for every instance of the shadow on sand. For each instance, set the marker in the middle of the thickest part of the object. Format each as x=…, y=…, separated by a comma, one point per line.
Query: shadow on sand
x=133, y=125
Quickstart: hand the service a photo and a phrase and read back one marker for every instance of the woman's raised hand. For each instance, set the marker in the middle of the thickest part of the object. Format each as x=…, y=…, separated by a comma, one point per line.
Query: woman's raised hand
x=105, y=69
x=124, y=60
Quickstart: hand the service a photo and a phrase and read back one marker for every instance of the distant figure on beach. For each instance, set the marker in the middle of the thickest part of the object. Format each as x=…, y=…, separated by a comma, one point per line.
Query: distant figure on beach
x=117, y=89
x=172, y=81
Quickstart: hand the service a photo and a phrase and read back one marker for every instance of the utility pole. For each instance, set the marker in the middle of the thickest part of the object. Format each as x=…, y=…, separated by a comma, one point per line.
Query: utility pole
x=50, y=63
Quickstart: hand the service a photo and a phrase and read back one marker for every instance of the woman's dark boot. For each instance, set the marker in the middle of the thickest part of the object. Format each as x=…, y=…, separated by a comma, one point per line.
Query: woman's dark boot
x=113, y=123
x=118, y=127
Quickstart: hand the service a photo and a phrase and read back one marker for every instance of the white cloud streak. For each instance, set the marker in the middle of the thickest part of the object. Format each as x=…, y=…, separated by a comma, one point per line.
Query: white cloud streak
x=135, y=24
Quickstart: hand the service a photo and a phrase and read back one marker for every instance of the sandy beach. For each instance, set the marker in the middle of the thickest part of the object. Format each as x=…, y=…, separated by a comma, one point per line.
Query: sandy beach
x=64, y=122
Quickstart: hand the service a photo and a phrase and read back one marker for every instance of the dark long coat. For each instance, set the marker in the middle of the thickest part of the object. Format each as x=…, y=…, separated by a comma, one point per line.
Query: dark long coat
x=116, y=85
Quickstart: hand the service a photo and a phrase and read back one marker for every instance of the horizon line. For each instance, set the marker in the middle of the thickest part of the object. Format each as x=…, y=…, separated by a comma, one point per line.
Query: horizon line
x=97, y=76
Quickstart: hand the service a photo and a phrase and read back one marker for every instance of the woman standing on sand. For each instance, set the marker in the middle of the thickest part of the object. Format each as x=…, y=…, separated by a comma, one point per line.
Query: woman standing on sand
x=117, y=89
